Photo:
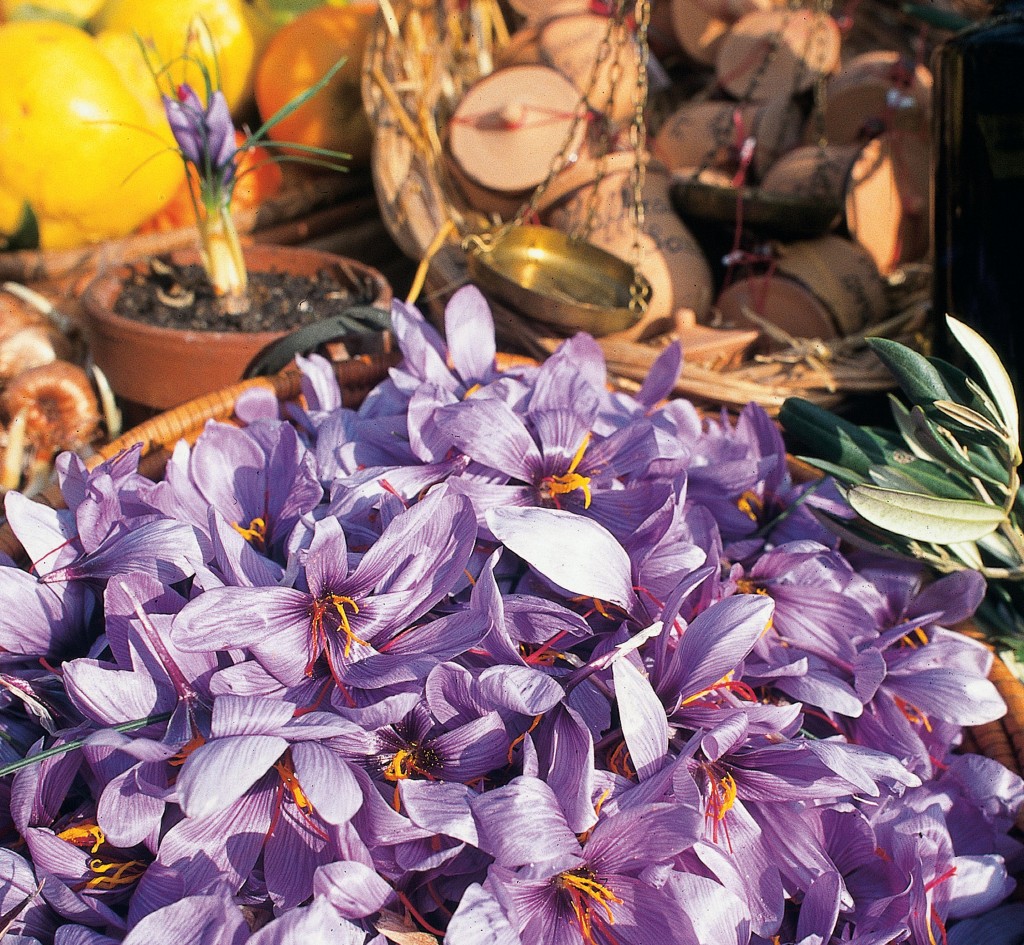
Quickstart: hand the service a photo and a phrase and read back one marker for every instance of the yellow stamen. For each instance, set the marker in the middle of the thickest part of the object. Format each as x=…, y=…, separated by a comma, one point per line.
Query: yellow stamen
x=750, y=505
x=286, y=771
x=588, y=894
x=471, y=391
x=402, y=765
x=919, y=633
x=114, y=874
x=570, y=480
x=255, y=534
x=321, y=607
x=87, y=836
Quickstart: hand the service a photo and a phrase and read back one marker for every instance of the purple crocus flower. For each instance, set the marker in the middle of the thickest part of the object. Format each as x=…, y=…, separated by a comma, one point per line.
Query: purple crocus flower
x=554, y=888
x=348, y=613
x=262, y=783
x=553, y=460
x=205, y=134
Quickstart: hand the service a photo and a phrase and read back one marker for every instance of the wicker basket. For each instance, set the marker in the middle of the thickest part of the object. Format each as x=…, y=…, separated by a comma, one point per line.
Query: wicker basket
x=419, y=62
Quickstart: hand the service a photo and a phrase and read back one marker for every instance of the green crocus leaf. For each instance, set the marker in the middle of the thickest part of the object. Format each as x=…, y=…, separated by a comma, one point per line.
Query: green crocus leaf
x=925, y=517
x=992, y=370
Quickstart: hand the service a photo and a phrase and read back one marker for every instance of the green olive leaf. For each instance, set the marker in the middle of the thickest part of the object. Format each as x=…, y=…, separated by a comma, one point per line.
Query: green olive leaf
x=995, y=376
x=970, y=419
x=925, y=517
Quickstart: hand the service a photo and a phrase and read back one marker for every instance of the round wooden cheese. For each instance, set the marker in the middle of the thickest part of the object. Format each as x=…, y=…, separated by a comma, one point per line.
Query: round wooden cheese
x=777, y=52
x=710, y=134
x=874, y=92
x=511, y=126
x=571, y=44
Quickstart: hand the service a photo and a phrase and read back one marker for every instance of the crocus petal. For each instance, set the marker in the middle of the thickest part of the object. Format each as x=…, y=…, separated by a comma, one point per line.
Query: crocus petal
x=474, y=749
x=126, y=814
x=819, y=911
x=168, y=551
x=480, y=920
x=573, y=552
x=522, y=823
x=718, y=639
x=198, y=851
x=520, y=688
x=662, y=376
x=46, y=534
x=639, y=837
x=1001, y=926
x=442, y=807
x=327, y=781
x=110, y=696
x=469, y=328
x=317, y=924
x=296, y=847
x=642, y=715
x=353, y=889
x=714, y=913
x=249, y=715
x=273, y=622
x=220, y=772
x=489, y=432
x=195, y=920
x=979, y=884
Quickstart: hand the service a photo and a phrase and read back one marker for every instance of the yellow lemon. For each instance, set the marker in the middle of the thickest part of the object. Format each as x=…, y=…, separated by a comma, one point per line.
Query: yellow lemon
x=74, y=142
x=123, y=50
x=70, y=11
x=228, y=35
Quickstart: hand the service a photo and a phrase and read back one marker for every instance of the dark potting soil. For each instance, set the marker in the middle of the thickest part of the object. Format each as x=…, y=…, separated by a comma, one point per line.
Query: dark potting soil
x=174, y=296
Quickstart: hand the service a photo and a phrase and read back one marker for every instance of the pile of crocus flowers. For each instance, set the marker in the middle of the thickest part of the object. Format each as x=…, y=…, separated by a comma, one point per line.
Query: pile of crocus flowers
x=503, y=657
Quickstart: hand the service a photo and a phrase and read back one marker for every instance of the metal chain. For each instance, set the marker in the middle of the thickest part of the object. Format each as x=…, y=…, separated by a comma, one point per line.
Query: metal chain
x=638, y=132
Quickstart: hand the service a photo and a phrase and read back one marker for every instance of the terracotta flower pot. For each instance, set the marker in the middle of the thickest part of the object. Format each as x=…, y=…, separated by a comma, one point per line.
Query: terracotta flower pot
x=159, y=368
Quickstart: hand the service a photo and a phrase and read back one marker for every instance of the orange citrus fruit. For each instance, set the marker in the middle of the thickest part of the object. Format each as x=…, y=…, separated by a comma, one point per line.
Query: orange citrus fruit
x=299, y=55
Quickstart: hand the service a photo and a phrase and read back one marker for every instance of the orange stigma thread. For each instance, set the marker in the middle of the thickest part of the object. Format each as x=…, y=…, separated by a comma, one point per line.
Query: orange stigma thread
x=725, y=684
x=590, y=899
x=569, y=481
x=621, y=763
x=255, y=534
x=323, y=606
x=912, y=713
x=178, y=759
x=286, y=772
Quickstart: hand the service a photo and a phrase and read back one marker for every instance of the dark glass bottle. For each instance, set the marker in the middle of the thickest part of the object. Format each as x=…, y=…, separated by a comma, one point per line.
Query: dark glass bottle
x=978, y=196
